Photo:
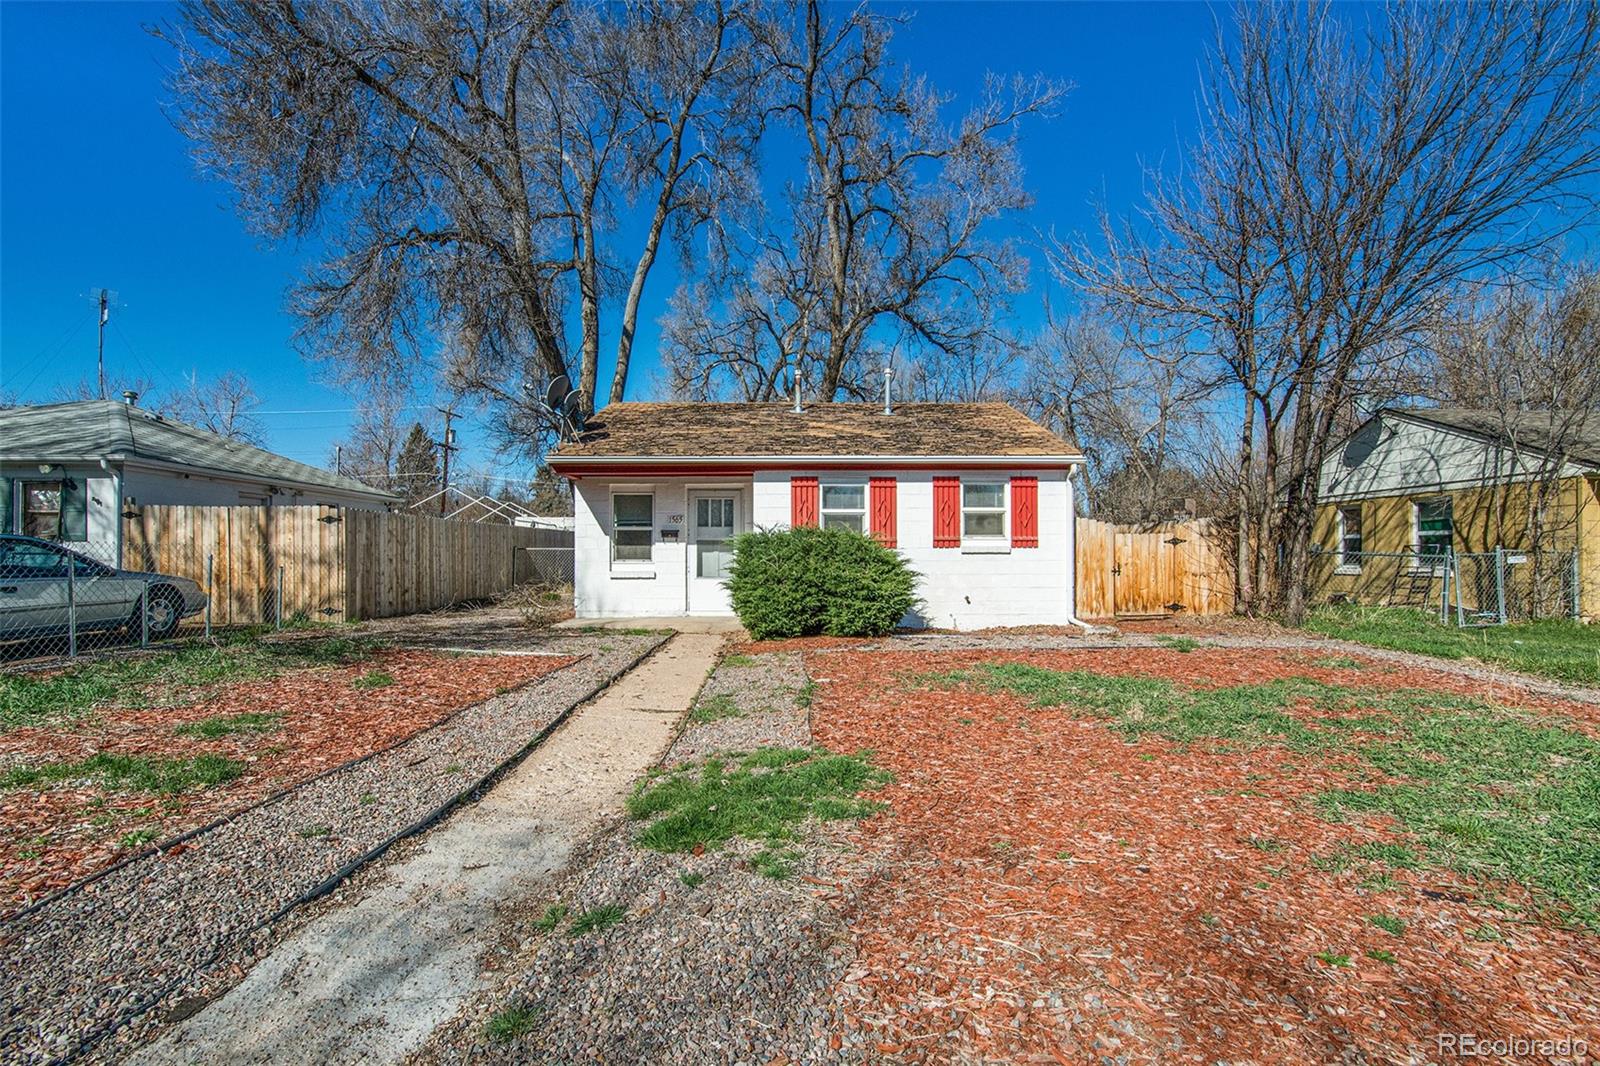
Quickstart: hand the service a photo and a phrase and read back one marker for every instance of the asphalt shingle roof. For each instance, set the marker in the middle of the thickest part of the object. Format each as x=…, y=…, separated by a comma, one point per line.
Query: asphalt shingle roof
x=1578, y=431
x=89, y=430
x=756, y=430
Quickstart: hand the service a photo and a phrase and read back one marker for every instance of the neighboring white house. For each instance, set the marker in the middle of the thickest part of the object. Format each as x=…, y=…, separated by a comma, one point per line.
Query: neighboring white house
x=977, y=498
x=68, y=471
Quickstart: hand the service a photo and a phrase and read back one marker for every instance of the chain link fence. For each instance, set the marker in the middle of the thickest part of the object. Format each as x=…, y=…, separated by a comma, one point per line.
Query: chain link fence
x=1464, y=589
x=547, y=564
x=64, y=600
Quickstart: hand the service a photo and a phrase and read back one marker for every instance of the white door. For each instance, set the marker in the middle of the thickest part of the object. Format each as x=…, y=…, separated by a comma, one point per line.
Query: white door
x=713, y=520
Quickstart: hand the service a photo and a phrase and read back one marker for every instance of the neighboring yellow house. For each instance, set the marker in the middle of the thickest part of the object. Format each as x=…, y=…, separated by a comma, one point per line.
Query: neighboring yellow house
x=1410, y=483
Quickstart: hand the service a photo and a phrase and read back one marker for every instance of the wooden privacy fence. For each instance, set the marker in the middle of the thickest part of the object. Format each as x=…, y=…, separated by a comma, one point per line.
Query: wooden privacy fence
x=1155, y=570
x=333, y=563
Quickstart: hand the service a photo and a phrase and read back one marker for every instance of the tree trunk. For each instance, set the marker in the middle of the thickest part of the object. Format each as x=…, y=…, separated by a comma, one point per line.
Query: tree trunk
x=1244, y=588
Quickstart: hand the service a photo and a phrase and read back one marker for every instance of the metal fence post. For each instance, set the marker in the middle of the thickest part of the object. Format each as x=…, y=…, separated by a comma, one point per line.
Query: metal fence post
x=1444, y=596
x=211, y=559
x=72, y=607
x=277, y=604
x=144, y=616
x=1577, y=587
x=1500, y=583
x=1453, y=561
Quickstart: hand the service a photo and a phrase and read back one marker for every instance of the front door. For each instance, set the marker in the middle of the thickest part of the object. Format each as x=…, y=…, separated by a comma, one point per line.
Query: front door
x=713, y=520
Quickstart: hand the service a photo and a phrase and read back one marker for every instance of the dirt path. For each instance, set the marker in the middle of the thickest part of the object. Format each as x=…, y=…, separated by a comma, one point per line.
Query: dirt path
x=368, y=982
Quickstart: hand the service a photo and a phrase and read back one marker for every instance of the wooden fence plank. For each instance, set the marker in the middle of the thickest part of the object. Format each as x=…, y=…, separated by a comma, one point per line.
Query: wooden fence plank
x=337, y=564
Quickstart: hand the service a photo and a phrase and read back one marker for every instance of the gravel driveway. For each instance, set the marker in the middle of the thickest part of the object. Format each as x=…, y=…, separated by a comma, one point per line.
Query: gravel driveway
x=714, y=962
x=153, y=932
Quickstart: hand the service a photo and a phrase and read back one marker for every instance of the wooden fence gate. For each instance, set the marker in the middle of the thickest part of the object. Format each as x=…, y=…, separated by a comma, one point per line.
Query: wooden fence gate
x=1152, y=571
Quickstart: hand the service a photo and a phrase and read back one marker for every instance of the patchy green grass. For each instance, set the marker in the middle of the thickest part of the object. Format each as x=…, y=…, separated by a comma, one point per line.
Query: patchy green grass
x=162, y=678
x=763, y=796
x=1388, y=923
x=134, y=773
x=139, y=837
x=228, y=725
x=552, y=917
x=715, y=708
x=1381, y=955
x=511, y=1023
x=595, y=920
x=1332, y=958
x=1183, y=644
x=1491, y=792
x=373, y=679
x=1555, y=648
x=740, y=660
x=1136, y=706
x=690, y=879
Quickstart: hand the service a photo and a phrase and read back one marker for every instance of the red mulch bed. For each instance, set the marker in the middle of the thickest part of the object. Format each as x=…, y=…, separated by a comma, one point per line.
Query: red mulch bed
x=52, y=838
x=1055, y=894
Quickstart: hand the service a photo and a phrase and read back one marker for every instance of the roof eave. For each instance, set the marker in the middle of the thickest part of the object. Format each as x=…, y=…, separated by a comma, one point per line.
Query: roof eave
x=557, y=461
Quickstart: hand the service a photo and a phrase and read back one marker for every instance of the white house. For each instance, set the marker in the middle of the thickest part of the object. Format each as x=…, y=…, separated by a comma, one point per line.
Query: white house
x=976, y=496
x=68, y=471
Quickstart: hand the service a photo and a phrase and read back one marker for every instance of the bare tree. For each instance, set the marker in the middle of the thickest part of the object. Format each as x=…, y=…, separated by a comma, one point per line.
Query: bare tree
x=371, y=452
x=225, y=406
x=883, y=243
x=484, y=176
x=1364, y=172
x=1128, y=399
x=1523, y=360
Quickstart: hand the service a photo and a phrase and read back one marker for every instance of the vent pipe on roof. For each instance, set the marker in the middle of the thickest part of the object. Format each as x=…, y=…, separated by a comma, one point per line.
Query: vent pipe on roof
x=130, y=397
x=796, y=375
x=888, y=372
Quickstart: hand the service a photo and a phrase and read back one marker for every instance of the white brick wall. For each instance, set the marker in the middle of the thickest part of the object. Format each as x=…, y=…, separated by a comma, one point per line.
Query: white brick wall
x=961, y=588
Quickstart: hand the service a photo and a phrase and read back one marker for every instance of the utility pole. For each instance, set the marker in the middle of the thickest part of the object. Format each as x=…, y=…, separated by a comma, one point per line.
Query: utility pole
x=447, y=445
x=105, y=313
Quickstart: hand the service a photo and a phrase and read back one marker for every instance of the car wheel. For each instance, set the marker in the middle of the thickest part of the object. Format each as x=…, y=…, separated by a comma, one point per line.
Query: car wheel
x=162, y=613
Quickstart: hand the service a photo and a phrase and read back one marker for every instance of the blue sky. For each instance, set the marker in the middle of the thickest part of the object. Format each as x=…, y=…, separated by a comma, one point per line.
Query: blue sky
x=97, y=189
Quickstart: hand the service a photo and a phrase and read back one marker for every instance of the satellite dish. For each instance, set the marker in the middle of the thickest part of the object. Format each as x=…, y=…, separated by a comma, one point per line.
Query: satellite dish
x=572, y=411
x=556, y=395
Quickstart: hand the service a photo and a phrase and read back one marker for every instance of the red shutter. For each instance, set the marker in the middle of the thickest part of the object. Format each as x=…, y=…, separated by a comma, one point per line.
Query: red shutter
x=1024, y=512
x=882, y=506
x=802, y=501
x=946, y=512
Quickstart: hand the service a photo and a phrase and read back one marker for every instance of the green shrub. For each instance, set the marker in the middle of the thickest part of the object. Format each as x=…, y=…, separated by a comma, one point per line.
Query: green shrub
x=809, y=581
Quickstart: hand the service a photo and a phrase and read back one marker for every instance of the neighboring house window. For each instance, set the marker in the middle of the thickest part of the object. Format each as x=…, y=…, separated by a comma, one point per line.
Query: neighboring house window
x=983, y=510
x=1350, y=539
x=844, y=507
x=1434, y=524
x=632, y=523
x=41, y=509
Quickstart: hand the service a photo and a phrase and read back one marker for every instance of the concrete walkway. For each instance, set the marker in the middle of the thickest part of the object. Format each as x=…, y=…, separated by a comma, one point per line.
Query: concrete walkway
x=369, y=981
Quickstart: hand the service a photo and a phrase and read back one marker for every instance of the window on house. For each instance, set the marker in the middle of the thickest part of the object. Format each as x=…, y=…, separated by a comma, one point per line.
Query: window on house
x=1350, y=538
x=1434, y=521
x=41, y=509
x=844, y=507
x=983, y=509
x=632, y=525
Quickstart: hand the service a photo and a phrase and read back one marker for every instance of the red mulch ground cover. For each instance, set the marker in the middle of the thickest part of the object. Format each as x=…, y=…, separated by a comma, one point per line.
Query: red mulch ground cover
x=54, y=837
x=1055, y=894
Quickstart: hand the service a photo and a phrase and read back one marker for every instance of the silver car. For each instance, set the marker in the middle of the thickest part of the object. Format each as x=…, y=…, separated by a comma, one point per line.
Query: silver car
x=39, y=595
